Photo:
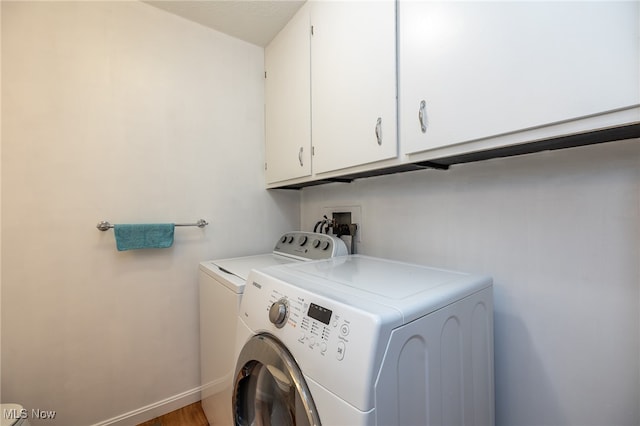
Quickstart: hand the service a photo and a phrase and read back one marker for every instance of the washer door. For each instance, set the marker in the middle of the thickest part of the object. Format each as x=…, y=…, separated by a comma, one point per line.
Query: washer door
x=269, y=387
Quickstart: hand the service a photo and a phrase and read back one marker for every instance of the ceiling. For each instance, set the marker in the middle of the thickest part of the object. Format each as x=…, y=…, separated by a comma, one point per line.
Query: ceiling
x=254, y=21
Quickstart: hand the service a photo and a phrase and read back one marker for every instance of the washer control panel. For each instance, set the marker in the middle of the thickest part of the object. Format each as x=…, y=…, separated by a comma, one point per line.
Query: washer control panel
x=334, y=343
x=310, y=245
x=320, y=328
x=316, y=325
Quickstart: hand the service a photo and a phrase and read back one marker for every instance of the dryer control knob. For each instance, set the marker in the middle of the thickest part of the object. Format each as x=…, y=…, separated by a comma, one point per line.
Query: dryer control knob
x=278, y=313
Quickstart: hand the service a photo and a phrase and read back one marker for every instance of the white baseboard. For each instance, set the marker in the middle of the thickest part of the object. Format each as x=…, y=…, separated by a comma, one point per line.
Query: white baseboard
x=156, y=409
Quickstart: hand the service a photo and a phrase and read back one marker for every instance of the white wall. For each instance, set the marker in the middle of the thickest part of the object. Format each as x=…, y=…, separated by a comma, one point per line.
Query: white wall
x=120, y=111
x=560, y=234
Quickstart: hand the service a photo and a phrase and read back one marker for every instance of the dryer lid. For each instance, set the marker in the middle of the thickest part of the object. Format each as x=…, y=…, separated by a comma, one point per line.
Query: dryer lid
x=241, y=266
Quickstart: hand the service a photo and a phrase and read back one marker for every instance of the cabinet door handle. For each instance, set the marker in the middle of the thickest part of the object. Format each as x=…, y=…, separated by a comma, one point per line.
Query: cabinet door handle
x=422, y=116
x=379, y=130
x=300, y=156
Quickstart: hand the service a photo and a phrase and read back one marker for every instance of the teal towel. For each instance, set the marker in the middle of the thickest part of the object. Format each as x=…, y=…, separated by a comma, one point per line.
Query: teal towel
x=153, y=235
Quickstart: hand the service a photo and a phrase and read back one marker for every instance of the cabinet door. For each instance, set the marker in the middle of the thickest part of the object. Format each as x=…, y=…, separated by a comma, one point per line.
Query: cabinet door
x=481, y=69
x=288, y=101
x=353, y=60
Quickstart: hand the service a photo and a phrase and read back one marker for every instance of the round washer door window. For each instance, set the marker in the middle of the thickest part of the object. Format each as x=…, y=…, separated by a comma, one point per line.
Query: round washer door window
x=269, y=387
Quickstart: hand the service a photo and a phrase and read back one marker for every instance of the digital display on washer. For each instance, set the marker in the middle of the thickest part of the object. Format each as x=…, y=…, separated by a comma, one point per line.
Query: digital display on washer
x=319, y=313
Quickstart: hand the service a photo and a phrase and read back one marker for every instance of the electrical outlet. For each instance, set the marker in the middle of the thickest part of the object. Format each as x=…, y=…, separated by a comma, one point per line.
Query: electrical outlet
x=342, y=214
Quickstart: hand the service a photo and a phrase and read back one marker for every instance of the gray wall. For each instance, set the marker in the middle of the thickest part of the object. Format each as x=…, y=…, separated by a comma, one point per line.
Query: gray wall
x=559, y=232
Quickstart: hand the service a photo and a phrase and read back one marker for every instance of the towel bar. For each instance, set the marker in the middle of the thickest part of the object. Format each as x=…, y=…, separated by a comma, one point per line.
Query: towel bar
x=105, y=225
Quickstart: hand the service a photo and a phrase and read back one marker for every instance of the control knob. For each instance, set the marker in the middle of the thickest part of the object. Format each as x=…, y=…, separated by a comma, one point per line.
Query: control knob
x=278, y=313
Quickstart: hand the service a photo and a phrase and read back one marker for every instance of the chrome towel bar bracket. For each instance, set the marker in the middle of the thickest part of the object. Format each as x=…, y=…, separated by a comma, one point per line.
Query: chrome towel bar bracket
x=104, y=225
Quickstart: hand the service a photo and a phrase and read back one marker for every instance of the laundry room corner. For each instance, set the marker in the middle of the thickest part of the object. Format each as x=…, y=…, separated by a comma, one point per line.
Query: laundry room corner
x=384, y=234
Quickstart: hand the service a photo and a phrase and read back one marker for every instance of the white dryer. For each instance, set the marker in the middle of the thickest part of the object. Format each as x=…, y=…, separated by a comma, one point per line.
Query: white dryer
x=358, y=340
x=221, y=285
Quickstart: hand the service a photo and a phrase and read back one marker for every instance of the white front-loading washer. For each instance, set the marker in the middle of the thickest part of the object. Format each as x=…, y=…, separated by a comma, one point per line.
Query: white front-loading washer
x=222, y=283
x=358, y=340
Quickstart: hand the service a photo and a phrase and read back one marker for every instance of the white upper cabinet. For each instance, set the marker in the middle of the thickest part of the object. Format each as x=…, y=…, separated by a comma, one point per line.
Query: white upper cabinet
x=353, y=83
x=472, y=70
x=288, y=101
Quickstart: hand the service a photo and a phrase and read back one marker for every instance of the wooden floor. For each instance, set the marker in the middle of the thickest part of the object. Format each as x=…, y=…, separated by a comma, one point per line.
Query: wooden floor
x=191, y=415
